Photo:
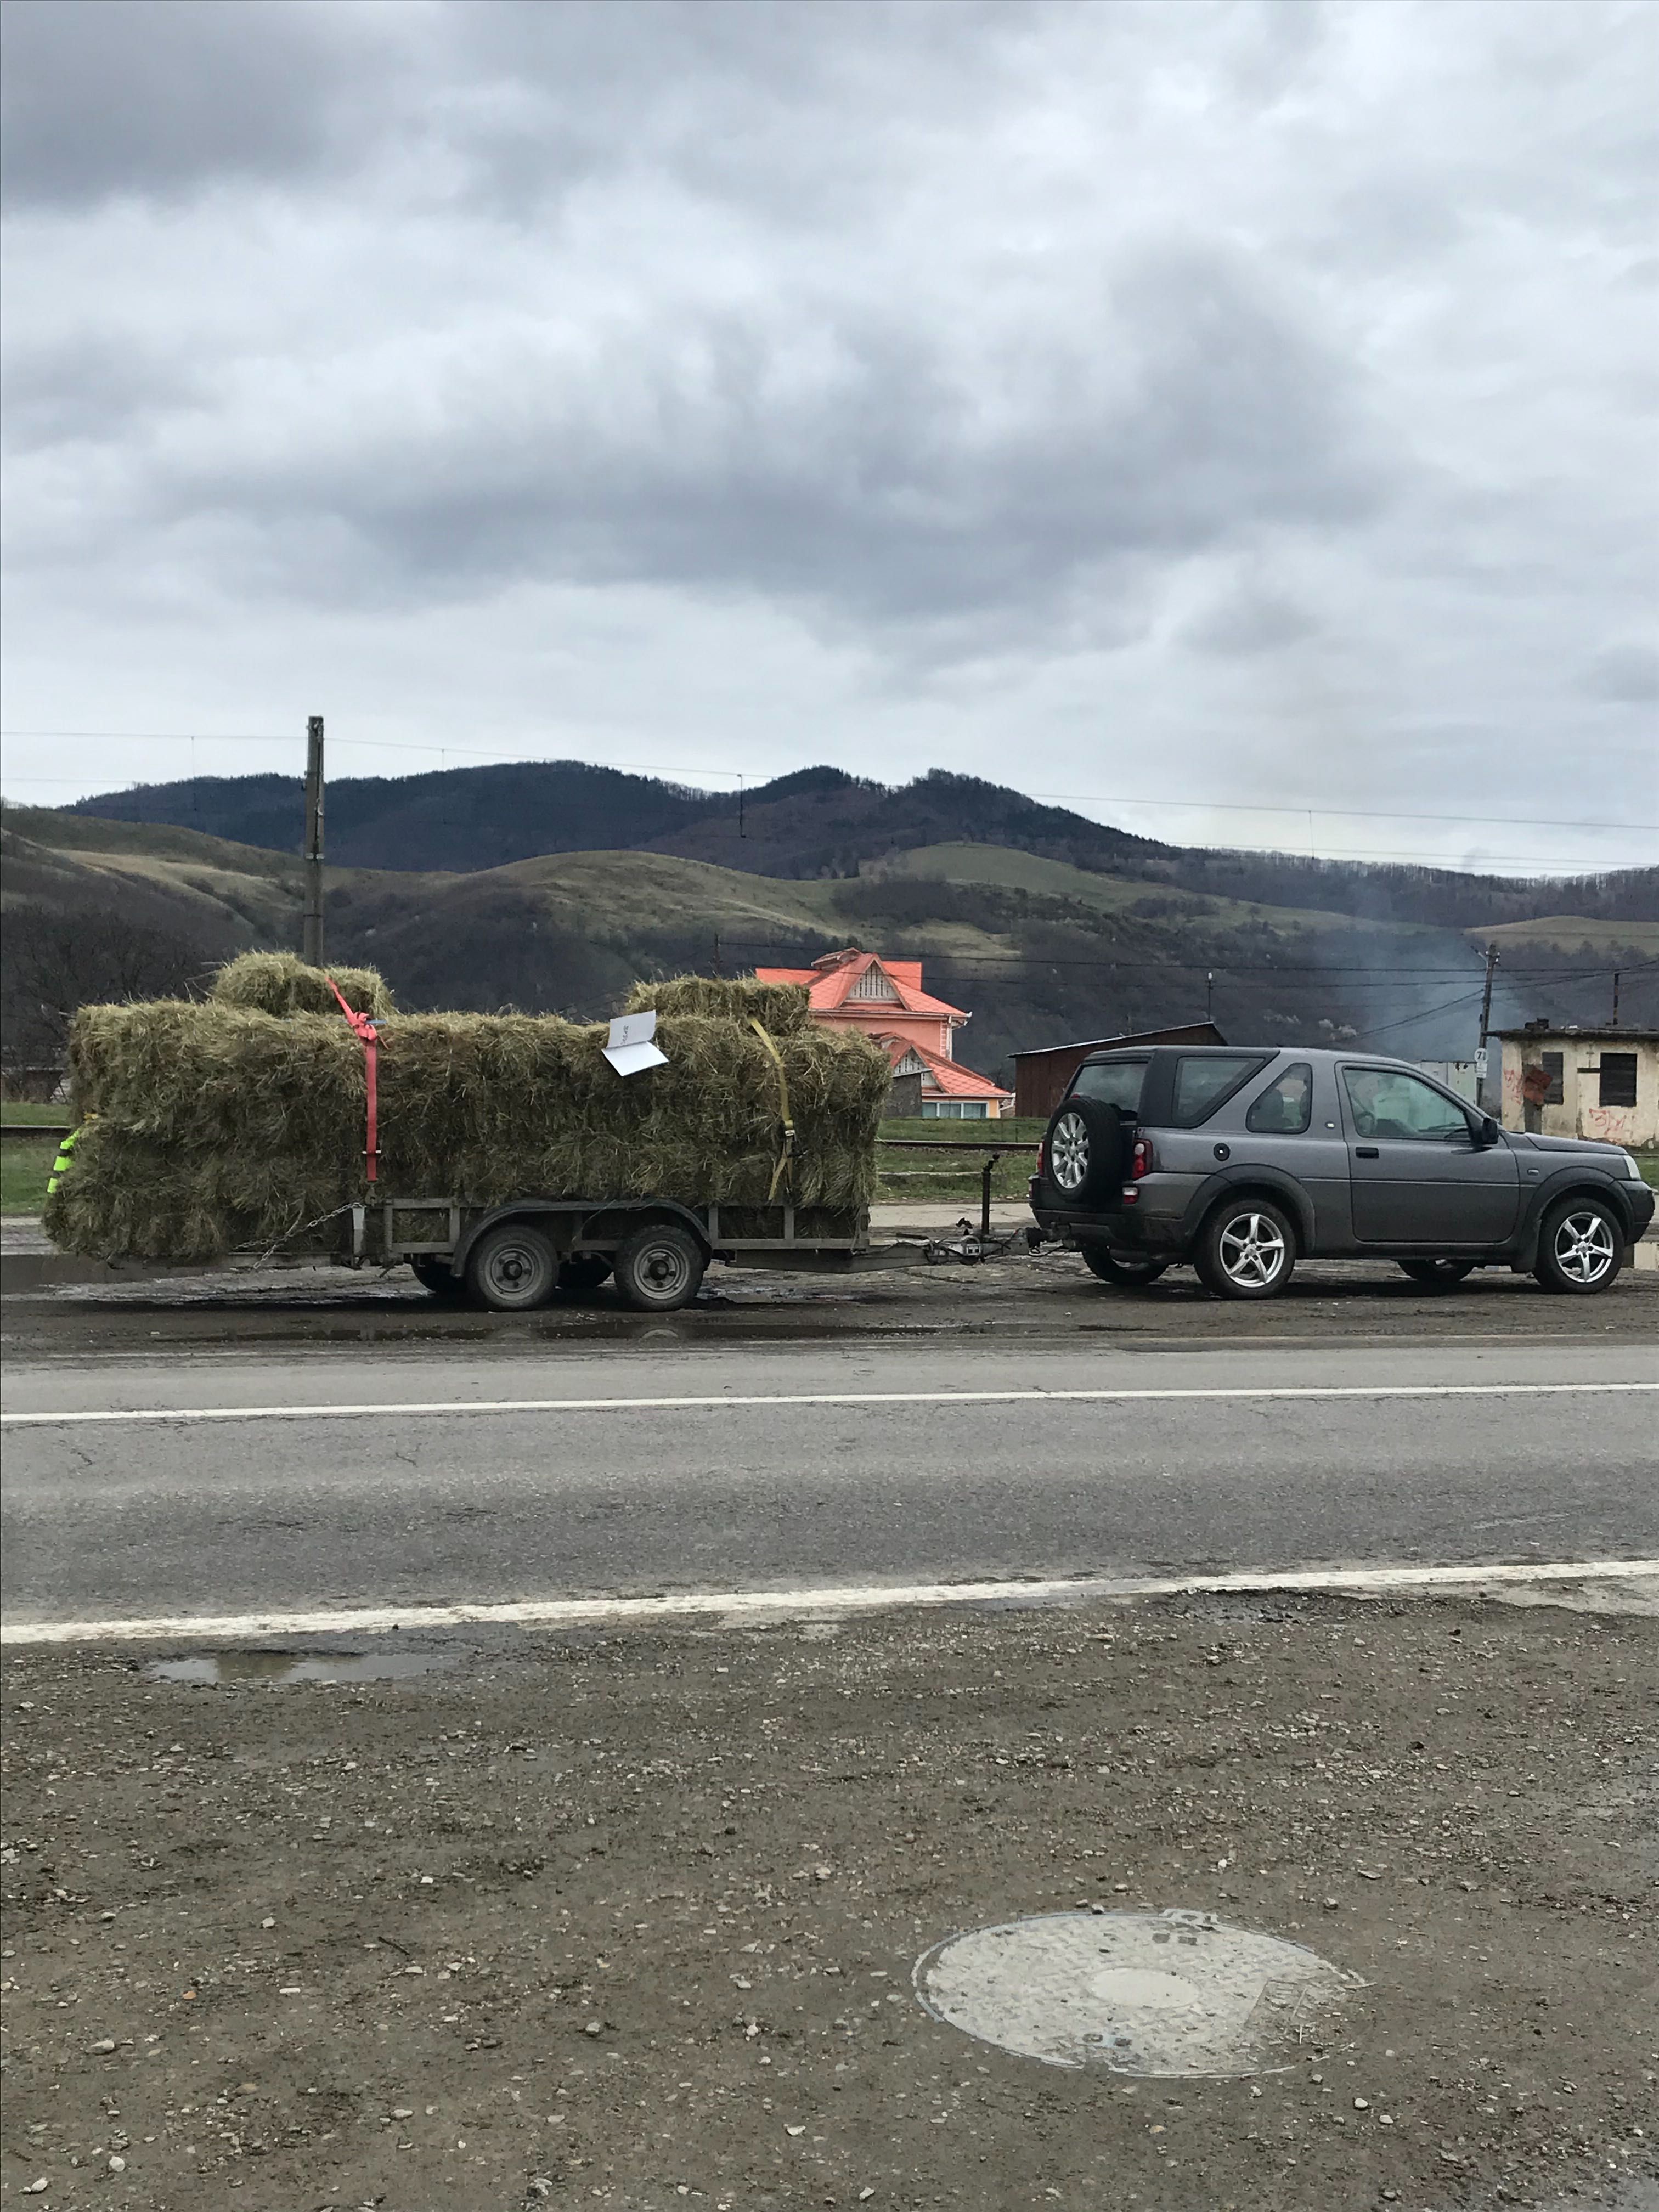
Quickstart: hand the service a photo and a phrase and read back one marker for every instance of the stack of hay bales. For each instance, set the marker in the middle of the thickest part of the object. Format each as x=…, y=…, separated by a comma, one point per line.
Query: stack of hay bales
x=238, y=1124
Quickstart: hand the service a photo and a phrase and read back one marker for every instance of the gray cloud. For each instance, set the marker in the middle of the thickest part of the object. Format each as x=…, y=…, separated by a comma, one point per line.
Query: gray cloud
x=1624, y=672
x=157, y=97
x=974, y=372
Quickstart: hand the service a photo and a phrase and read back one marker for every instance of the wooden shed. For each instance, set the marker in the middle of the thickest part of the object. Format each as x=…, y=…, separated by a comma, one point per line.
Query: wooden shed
x=1041, y=1077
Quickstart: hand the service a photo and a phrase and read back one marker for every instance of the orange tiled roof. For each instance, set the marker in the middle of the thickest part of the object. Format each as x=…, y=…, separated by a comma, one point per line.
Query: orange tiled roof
x=829, y=982
x=949, y=1075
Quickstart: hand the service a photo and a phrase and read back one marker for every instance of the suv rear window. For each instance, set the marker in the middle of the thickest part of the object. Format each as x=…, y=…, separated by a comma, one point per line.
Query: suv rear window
x=1112, y=1082
x=1202, y=1083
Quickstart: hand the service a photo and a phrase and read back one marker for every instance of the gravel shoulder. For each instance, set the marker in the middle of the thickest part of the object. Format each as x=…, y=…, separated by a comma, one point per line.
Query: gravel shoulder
x=629, y=1919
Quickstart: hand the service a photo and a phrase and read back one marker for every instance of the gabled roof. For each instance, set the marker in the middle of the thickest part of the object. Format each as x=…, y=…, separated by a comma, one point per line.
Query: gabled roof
x=829, y=983
x=949, y=1075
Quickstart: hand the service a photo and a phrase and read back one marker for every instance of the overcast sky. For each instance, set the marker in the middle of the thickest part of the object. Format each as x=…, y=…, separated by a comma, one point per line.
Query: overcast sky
x=1240, y=404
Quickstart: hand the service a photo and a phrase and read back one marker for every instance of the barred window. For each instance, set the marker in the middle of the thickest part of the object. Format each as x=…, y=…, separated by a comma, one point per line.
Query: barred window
x=1553, y=1064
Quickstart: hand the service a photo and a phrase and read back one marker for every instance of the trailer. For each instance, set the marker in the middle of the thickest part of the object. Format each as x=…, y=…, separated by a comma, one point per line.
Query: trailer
x=516, y=1256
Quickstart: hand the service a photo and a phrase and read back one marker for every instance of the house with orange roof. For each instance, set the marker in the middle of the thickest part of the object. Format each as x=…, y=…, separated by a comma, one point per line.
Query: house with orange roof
x=884, y=999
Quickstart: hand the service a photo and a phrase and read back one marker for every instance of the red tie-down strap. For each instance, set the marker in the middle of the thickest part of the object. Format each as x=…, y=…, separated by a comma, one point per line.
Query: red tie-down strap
x=363, y=1029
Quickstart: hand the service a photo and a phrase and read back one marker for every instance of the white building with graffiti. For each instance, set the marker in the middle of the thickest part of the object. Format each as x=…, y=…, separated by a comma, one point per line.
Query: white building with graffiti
x=1600, y=1082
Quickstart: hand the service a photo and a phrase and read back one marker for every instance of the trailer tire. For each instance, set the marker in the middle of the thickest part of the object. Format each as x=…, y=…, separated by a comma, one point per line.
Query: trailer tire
x=584, y=1271
x=439, y=1277
x=659, y=1268
x=512, y=1268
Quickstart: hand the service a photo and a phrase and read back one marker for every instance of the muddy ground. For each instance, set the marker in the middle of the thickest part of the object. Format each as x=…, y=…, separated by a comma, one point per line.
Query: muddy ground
x=628, y=1920
x=55, y=1309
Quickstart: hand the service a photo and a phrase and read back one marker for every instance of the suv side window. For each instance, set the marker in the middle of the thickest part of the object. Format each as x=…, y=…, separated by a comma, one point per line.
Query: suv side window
x=1385, y=1102
x=1112, y=1082
x=1201, y=1084
x=1286, y=1107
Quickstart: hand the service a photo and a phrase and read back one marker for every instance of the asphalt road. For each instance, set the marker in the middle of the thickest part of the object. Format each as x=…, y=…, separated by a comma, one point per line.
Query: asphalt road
x=426, y=1502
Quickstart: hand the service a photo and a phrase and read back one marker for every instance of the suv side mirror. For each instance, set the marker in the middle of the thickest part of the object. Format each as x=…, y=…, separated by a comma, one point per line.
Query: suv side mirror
x=1486, y=1131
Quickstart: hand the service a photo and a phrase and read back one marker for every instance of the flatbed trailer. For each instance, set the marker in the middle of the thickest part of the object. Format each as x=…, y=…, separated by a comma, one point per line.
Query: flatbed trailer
x=514, y=1257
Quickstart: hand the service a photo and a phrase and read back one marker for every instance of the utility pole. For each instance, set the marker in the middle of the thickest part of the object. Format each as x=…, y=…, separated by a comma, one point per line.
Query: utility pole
x=1615, y=998
x=311, y=942
x=1209, y=993
x=1486, y=1024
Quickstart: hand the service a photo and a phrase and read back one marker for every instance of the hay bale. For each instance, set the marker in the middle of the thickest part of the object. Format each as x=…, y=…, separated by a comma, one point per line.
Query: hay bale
x=780, y=1008
x=280, y=983
x=221, y=1127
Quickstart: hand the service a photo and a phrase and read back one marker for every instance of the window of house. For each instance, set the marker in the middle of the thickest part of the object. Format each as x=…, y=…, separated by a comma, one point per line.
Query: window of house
x=1286, y=1107
x=1618, y=1078
x=954, y=1109
x=1551, y=1064
x=1386, y=1103
x=1112, y=1082
x=1202, y=1083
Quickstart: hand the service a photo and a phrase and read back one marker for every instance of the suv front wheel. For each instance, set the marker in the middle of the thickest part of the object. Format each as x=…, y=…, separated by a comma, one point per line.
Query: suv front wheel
x=1580, y=1247
x=1246, y=1249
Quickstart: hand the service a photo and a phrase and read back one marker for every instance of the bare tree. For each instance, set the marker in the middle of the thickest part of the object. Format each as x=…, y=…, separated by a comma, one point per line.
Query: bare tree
x=51, y=963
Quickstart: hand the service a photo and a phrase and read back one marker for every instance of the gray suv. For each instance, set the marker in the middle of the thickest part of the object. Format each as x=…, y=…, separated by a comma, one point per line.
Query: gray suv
x=1241, y=1163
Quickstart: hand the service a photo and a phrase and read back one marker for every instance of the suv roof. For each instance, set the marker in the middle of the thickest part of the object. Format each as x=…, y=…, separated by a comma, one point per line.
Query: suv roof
x=1323, y=1051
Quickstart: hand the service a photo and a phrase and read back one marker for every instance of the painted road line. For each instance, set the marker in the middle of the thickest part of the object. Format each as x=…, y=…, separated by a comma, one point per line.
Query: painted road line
x=857, y=1597
x=451, y=1407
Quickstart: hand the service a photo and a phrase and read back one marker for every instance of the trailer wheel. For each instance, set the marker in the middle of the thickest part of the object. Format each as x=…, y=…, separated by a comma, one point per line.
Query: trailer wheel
x=437, y=1276
x=659, y=1268
x=512, y=1269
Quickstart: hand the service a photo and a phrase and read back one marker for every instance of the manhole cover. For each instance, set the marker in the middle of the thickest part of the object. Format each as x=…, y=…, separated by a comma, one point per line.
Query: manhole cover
x=1157, y=1993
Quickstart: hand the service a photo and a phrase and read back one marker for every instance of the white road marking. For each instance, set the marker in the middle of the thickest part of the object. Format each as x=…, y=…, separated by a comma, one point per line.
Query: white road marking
x=858, y=1597
x=446, y=1408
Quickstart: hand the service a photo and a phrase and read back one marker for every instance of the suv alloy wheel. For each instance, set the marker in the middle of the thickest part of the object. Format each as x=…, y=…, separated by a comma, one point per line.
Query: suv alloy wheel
x=1246, y=1249
x=1580, y=1247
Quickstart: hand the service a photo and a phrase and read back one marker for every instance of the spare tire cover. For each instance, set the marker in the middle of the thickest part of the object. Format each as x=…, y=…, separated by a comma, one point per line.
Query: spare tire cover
x=1104, y=1139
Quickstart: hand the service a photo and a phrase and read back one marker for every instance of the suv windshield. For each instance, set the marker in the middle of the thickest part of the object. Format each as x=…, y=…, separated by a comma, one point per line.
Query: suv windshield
x=1112, y=1082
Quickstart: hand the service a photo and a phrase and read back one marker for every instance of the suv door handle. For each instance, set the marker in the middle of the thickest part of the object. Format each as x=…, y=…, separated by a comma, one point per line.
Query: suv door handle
x=1366, y=1152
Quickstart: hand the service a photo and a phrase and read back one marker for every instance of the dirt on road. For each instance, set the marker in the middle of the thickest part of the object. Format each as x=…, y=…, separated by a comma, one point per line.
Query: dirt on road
x=1048, y=1295
x=629, y=1919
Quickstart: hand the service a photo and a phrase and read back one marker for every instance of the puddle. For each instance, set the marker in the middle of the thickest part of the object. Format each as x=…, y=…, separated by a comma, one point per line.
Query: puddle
x=279, y=1667
x=1162, y=1994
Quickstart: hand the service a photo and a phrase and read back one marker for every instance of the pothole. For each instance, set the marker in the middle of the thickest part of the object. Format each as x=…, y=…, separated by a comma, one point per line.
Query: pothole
x=281, y=1666
x=1172, y=1993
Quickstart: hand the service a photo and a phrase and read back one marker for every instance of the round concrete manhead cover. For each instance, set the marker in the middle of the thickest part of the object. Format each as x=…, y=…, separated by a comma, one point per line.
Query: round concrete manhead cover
x=1157, y=1993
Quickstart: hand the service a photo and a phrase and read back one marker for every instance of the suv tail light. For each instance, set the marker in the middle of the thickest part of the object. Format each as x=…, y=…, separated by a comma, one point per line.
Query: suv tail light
x=1141, y=1161
x=1042, y=1156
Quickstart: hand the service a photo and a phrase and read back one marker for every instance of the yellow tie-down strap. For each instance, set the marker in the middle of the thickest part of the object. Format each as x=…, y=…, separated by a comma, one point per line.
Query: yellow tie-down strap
x=780, y=1173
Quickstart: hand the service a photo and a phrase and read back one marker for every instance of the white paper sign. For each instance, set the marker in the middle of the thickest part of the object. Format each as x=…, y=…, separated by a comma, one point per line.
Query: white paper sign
x=1480, y=1063
x=630, y=1050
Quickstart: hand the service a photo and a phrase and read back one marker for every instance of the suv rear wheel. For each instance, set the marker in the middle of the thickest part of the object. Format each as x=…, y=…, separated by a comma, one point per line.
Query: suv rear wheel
x=1437, y=1275
x=1246, y=1249
x=1580, y=1247
x=1123, y=1274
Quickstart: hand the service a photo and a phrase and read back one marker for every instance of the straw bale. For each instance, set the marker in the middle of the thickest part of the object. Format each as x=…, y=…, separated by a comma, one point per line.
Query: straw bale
x=220, y=1127
x=281, y=983
x=782, y=1008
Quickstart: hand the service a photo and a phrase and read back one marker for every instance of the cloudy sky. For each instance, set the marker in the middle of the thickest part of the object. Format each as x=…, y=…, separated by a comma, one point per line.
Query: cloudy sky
x=1179, y=408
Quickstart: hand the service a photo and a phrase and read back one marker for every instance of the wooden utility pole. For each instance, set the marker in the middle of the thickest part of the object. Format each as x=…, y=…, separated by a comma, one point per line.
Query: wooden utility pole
x=311, y=943
x=1486, y=1022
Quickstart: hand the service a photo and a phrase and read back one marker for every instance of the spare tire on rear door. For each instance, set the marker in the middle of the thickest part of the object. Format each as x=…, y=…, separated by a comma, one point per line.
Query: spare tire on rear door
x=1084, y=1154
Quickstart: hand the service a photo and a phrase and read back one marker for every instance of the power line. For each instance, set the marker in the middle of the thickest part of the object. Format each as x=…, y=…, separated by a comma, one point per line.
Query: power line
x=1328, y=971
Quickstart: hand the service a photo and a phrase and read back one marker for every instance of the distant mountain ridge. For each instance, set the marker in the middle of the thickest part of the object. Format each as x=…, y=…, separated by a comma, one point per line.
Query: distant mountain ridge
x=818, y=822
